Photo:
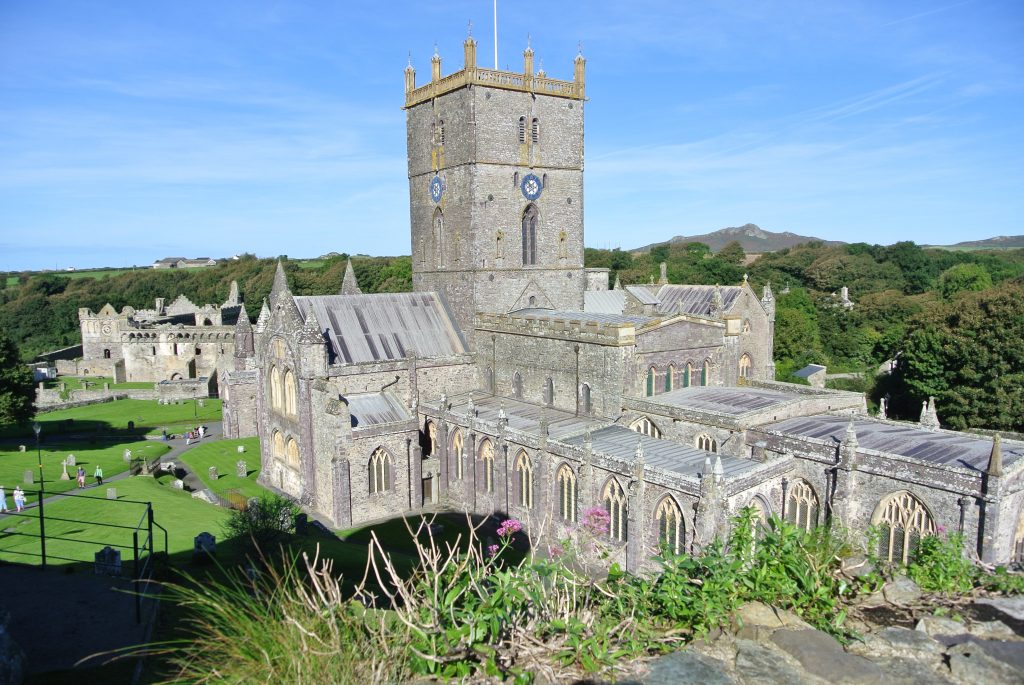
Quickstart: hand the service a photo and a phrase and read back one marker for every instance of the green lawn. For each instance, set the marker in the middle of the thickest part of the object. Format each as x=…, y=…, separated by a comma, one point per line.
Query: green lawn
x=175, y=510
x=224, y=454
x=108, y=454
x=148, y=416
x=11, y=281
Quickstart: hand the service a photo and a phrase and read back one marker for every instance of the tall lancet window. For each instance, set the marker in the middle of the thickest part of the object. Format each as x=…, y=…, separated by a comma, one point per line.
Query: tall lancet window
x=530, y=235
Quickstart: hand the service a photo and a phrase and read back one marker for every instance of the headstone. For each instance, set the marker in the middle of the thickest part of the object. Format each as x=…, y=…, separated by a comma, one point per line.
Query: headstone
x=127, y=454
x=205, y=545
x=107, y=562
x=131, y=425
x=241, y=468
x=241, y=449
x=202, y=403
x=106, y=387
x=178, y=484
x=111, y=493
x=21, y=448
x=168, y=466
x=212, y=472
x=64, y=471
x=300, y=524
x=29, y=477
x=63, y=387
x=71, y=461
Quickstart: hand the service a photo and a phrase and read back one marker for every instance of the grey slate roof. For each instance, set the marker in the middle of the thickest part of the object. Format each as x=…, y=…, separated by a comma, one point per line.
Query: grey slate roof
x=734, y=401
x=944, y=448
x=642, y=294
x=694, y=299
x=373, y=408
x=585, y=317
x=384, y=326
x=604, y=301
x=526, y=417
x=619, y=441
x=809, y=370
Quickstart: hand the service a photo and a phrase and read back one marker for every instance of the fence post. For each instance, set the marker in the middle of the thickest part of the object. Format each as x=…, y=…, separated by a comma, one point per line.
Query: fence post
x=135, y=572
x=42, y=527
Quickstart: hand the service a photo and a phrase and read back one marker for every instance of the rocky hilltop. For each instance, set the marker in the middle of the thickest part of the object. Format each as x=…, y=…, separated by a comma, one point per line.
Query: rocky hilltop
x=752, y=237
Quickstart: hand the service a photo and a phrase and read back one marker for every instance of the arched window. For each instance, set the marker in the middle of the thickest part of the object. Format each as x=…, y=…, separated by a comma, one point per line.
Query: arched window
x=705, y=373
x=669, y=377
x=802, y=505
x=566, y=493
x=614, y=498
x=380, y=471
x=535, y=130
x=440, y=131
x=290, y=404
x=489, y=380
x=106, y=354
x=902, y=521
x=760, y=518
x=487, y=461
x=457, y=445
x=524, y=476
x=671, y=531
x=437, y=235
x=428, y=439
x=586, y=406
x=549, y=392
x=651, y=373
x=530, y=234
x=278, y=446
x=706, y=443
x=292, y=452
x=688, y=375
x=522, y=129
x=745, y=366
x=517, y=386
x=645, y=426
x=275, y=388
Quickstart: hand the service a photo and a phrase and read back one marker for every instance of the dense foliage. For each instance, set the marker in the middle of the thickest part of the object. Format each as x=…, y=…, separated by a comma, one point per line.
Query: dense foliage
x=17, y=393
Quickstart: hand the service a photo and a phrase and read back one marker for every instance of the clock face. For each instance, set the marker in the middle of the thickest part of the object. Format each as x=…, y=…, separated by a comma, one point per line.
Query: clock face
x=436, y=189
x=531, y=187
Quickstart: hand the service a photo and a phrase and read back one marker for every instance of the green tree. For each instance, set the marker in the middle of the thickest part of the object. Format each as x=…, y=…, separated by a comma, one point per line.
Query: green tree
x=964, y=278
x=732, y=253
x=17, y=394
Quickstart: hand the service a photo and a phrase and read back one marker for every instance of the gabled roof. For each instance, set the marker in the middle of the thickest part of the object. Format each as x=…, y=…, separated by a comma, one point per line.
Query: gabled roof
x=385, y=326
x=604, y=301
x=642, y=294
x=375, y=408
x=694, y=299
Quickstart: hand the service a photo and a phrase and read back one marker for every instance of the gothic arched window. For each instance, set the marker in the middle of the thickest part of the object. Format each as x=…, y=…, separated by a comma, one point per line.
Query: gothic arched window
x=745, y=366
x=380, y=471
x=487, y=461
x=275, y=388
x=292, y=452
x=902, y=521
x=586, y=406
x=530, y=235
x=457, y=445
x=517, y=386
x=278, y=446
x=549, y=392
x=645, y=426
x=566, y=493
x=614, y=498
x=802, y=505
x=688, y=375
x=706, y=443
x=290, y=403
x=705, y=373
x=651, y=373
x=671, y=531
x=437, y=235
x=535, y=130
x=524, y=476
x=522, y=129
x=669, y=377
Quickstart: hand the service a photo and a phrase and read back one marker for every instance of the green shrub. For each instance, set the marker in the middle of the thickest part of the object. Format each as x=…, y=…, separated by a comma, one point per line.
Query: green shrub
x=938, y=565
x=264, y=522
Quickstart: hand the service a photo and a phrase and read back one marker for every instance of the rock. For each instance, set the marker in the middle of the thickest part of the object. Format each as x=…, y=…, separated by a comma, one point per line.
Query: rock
x=970, y=664
x=685, y=667
x=756, y=621
x=897, y=642
x=992, y=630
x=909, y=671
x=1012, y=607
x=822, y=656
x=205, y=495
x=936, y=626
x=757, y=664
x=902, y=590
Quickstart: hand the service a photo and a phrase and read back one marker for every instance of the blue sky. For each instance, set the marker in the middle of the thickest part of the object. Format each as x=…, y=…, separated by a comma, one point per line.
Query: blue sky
x=131, y=131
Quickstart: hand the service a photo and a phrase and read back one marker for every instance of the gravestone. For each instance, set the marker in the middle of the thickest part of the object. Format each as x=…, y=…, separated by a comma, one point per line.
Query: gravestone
x=63, y=387
x=106, y=387
x=71, y=461
x=107, y=562
x=111, y=493
x=241, y=468
x=212, y=472
x=64, y=471
x=241, y=449
x=21, y=448
x=178, y=484
x=202, y=403
x=29, y=479
x=300, y=524
x=127, y=454
x=205, y=545
x=168, y=466
x=131, y=425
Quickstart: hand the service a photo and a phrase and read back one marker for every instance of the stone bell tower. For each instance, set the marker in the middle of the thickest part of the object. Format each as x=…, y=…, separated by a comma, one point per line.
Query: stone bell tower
x=496, y=187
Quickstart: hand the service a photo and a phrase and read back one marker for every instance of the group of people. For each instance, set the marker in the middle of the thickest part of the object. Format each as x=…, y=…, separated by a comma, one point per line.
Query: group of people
x=198, y=434
x=19, y=499
x=97, y=474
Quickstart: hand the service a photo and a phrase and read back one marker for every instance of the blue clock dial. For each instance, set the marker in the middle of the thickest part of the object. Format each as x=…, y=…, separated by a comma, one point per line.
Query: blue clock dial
x=531, y=187
x=436, y=189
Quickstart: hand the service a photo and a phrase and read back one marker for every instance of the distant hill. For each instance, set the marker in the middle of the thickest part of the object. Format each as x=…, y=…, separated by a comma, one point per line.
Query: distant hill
x=1002, y=242
x=753, y=239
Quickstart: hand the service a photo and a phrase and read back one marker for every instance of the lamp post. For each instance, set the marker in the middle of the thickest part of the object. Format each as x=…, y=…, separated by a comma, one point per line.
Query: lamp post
x=42, y=494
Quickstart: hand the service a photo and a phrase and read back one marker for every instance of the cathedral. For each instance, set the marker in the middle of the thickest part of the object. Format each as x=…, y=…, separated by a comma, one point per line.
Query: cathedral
x=514, y=382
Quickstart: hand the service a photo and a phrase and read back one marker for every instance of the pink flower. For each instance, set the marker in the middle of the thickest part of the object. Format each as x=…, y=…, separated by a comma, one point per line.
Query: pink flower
x=940, y=529
x=492, y=550
x=555, y=551
x=596, y=521
x=508, y=527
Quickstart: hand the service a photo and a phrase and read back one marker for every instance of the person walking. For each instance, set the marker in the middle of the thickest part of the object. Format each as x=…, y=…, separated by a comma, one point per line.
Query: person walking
x=3, y=500
x=98, y=474
x=81, y=477
x=19, y=498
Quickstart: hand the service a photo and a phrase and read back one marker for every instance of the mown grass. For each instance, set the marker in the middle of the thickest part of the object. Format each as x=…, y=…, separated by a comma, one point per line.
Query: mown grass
x=224, y=455
x=148, y=417
x=107, y=454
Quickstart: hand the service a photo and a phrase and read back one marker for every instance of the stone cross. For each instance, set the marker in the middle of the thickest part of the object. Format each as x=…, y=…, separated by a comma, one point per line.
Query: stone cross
x=64, y=471
x=107, y=562
x=127, y=455
x=212, y=472
x=241, y=468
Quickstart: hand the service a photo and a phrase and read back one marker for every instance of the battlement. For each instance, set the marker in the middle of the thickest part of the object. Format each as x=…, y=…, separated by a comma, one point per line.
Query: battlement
x=559, y=326
x=471, y=74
